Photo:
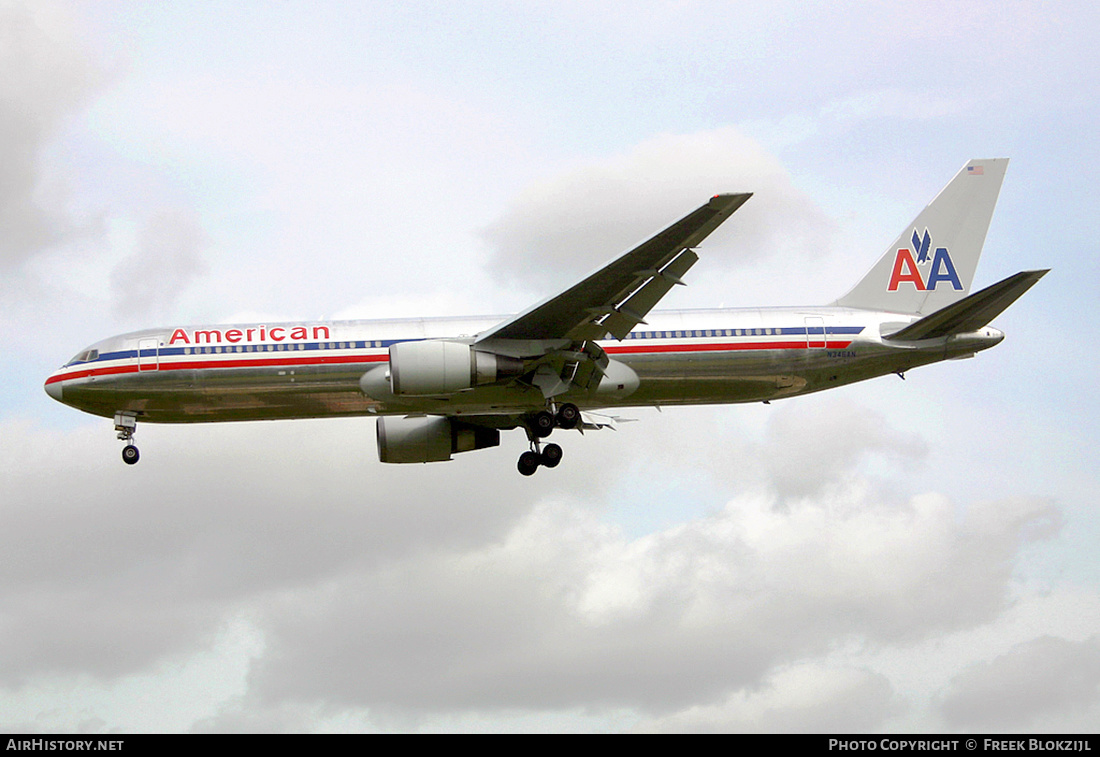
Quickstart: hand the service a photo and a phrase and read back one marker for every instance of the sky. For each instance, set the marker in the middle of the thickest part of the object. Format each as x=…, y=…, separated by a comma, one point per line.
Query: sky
x=890, y=556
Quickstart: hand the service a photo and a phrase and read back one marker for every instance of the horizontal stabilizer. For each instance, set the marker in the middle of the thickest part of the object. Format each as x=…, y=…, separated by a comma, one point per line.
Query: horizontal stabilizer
x=973, y=312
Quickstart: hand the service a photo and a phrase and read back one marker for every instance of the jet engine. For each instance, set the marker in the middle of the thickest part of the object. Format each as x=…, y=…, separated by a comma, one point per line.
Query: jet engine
x=429, y=439
x=439, y=367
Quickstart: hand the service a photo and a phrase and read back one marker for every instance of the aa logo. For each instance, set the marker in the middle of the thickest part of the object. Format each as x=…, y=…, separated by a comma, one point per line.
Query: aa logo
x=908, y=269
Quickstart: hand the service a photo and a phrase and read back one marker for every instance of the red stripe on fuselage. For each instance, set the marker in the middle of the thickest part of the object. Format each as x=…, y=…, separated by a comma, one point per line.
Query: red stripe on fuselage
x=622, y=349
x=176, y=365
x=92, y=372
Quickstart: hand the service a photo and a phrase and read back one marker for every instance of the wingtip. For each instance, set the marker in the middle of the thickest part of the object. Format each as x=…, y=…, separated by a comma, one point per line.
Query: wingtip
x=730, y=199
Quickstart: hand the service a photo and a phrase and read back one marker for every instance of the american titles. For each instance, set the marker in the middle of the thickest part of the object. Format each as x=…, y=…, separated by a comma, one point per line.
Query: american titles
x=249, y=334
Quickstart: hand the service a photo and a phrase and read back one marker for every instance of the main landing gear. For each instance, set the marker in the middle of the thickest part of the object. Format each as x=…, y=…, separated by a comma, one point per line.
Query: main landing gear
x=126, y=425
x=530, y=461
x=539, y=427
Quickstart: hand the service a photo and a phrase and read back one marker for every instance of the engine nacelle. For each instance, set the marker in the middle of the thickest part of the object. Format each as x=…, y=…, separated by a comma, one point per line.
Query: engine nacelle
x=438, y=367
x=429, y=440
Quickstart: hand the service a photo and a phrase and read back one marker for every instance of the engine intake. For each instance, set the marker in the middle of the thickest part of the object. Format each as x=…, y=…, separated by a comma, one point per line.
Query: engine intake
x=429, y=440
x=430, y=367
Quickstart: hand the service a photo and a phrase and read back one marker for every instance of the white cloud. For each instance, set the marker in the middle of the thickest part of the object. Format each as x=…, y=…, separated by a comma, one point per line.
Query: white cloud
x=1034, y=679
x=801, y=698
x=564, y=612
x=562, y=227
x=892, y=104
x=167, y=261
x=375, y=596
x=45, y=77
x=806, y=445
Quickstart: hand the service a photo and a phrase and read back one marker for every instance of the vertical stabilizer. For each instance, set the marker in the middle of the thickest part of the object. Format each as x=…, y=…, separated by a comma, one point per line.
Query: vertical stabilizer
x=932, y=263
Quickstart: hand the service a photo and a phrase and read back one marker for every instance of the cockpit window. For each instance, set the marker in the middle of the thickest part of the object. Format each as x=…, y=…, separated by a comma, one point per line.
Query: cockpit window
x=84, y=357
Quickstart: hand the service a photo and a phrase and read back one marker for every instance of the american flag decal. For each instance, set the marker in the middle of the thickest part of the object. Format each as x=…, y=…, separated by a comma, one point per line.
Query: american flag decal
x=975, y=171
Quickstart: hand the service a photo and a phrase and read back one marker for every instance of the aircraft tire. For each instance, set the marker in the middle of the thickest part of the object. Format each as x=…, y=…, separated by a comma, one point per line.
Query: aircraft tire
x=543, y=423
x=528, y=463
x=130, y=454
x=568, y=415
x=551, y=455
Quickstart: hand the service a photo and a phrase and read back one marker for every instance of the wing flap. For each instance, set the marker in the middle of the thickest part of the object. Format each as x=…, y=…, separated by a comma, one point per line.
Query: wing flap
x=633, y=311
x=595, y=421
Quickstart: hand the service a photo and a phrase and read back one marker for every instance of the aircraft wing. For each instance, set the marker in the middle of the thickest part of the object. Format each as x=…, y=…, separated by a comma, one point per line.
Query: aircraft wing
x=618, y=296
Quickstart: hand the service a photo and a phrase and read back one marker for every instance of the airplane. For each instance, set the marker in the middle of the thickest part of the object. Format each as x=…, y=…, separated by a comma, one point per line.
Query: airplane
x=442, y=386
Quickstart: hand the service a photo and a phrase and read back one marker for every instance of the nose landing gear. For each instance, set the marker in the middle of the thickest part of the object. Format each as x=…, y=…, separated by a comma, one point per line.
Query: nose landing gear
x=538, y=428
x=126, y=425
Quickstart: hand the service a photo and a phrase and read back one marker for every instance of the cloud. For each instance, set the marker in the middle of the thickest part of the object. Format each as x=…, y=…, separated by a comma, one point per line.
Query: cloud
x=562, y=227
x=803, y=698
x=111, y=573
x=168, y=259
x=565, y=611
x=805, y=445
x=1045, y=676
x=45, y=77
x=890, y=103
x=243, y=715
x=418, y=591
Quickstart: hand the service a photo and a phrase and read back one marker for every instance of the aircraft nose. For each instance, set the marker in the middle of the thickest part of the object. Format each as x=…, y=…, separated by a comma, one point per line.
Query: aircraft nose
x=53, y=388
x=996, y=335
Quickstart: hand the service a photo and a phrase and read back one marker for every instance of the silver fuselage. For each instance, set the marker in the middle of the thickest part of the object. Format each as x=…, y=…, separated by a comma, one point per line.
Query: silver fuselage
x=315, y=370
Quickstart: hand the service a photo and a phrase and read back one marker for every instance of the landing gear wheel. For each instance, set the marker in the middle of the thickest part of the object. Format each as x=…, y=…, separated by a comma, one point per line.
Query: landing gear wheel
x=130, y=454
x=528, y=463
x=568, y=415
x=551, y=455
x=543, y=423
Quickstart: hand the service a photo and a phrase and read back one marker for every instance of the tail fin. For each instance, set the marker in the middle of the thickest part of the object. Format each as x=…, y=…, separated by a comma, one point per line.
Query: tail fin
x=932, y=263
